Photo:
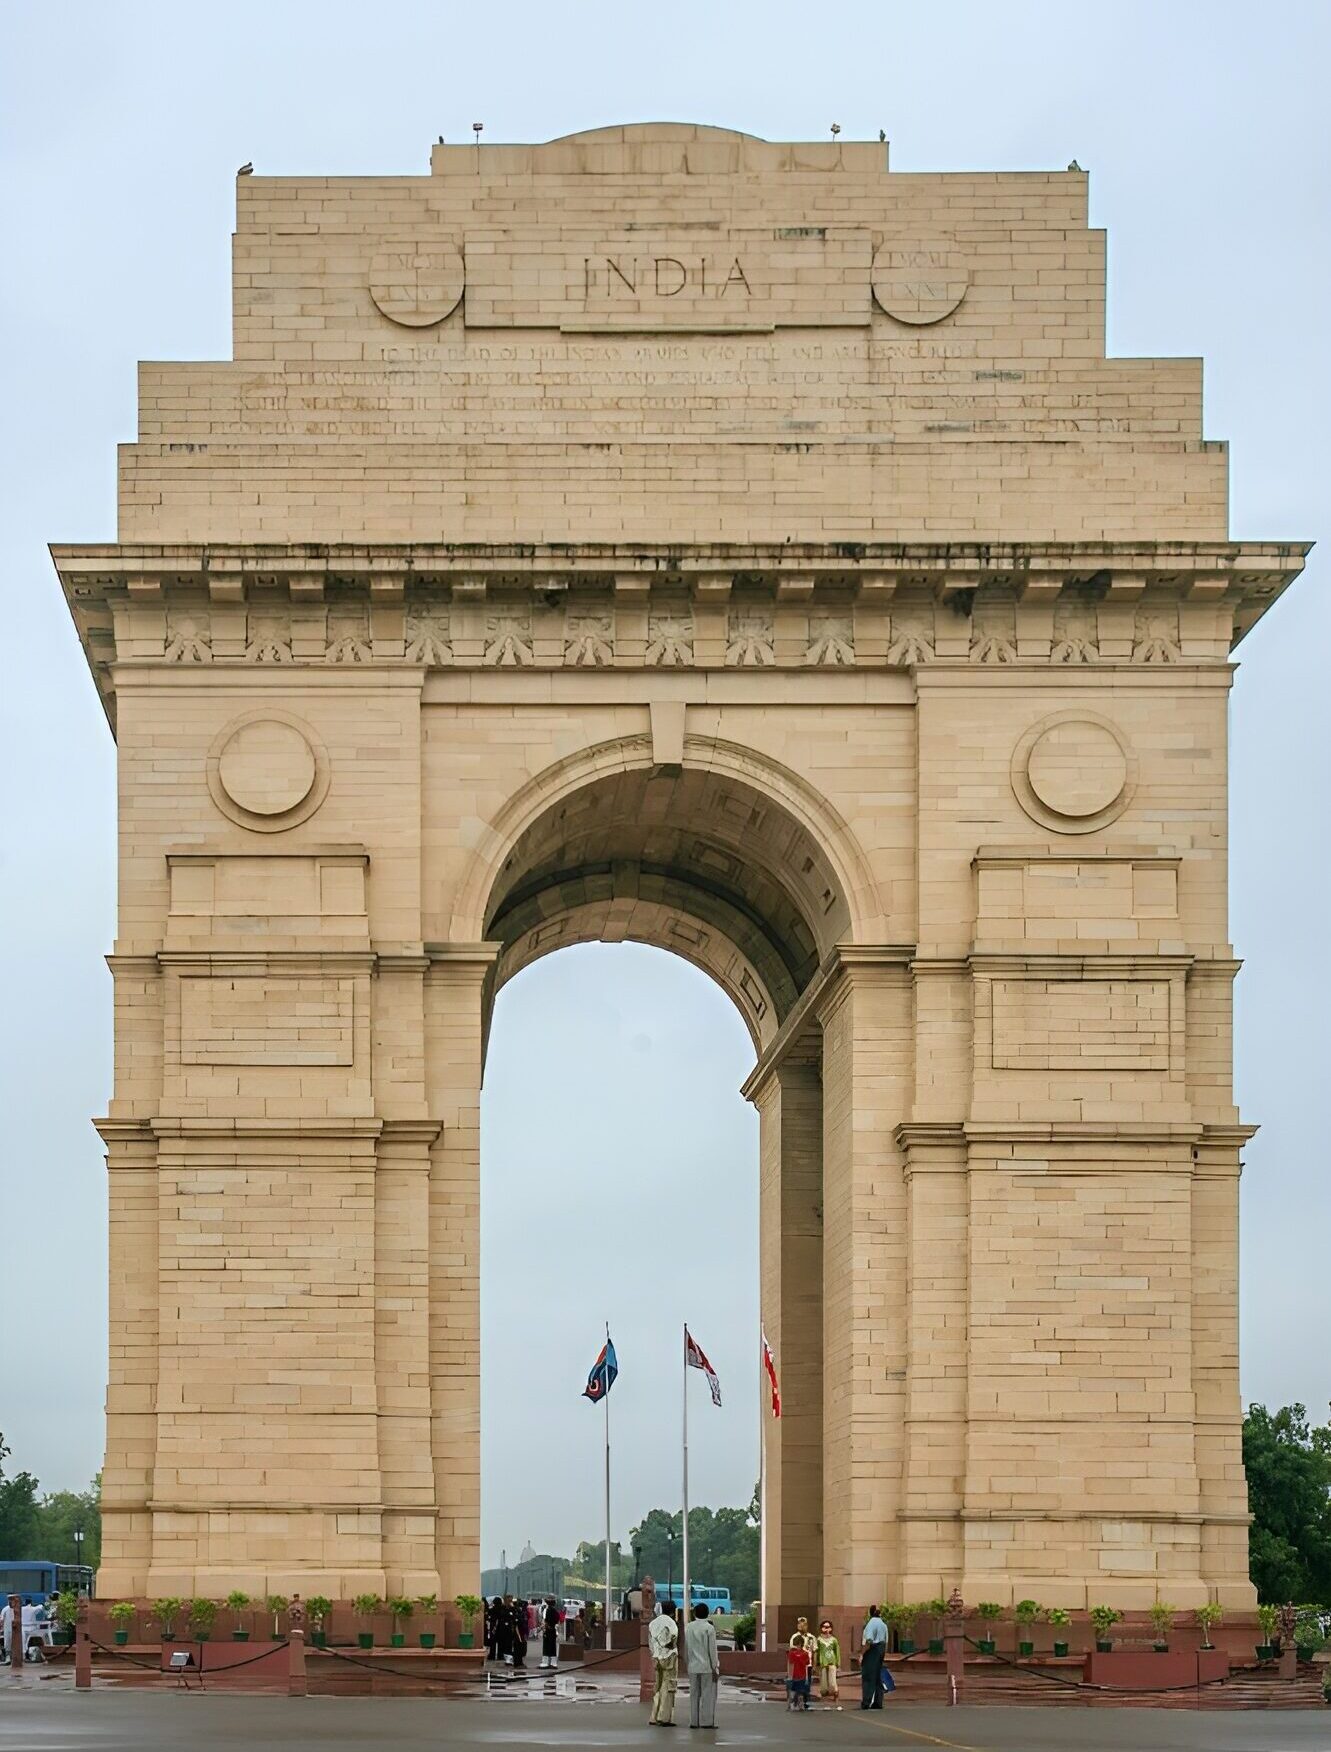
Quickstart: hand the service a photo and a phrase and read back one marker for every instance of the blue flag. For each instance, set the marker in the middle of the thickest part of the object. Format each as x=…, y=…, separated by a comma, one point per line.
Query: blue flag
x=602, y=1377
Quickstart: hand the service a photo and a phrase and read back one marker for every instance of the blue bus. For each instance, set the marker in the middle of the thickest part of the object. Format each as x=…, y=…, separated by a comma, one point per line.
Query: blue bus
x=714, y=1599
x=34, y=1580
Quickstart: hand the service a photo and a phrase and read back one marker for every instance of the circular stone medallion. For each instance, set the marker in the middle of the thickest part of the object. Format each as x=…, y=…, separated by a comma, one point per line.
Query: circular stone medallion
x=919, y=283
x=1073, y=772
x=267, y=771
x=415, y=284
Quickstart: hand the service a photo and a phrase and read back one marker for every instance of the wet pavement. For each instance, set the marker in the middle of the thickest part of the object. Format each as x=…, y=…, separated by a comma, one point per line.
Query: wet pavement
x=38, y=1716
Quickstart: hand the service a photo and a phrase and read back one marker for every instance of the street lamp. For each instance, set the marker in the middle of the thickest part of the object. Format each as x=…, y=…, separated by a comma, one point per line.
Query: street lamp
x=78, y=1545
x=670, y=1561
x=637, y=1564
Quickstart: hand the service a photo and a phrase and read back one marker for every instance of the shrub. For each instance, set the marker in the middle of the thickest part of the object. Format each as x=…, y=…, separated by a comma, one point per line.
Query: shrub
x=366, y=1605
x=1104, y=1618
x=989, y=1610
x=1027, y=1611
x=1059, y=1617
x=122, y=1614
x=1269, y=1618
x=202, y=1614
x=318, y=1606
x=401, y=1607
x=1162, y=1620
x=469, y=1605
x=1208, y=1617
x=430, y=1602
x=746, y=1630
x=67, y=1608
x=236, y=1601
x=165, y=1611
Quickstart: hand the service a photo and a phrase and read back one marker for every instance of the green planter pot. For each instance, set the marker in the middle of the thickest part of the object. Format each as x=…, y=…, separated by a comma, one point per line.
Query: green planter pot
x=240, y=1636
x=986, y=1645
x=121, y=1638
x=1103, y=1646
x=1060, y=1648
x=906, y=1645
x=935, y=1645
x=1304, y=1653
x=63, y=1637
x=1025, y=1649
x=466, y=1639
x=319, y=1638
x=1160, y=1648
x=365, y=1638
x=202, y=1635
x=398, y=1640
x=1265, y=1652
x=427, y=1639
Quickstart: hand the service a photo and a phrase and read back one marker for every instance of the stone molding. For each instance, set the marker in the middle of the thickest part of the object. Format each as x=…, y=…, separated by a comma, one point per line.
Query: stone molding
x=835, y=606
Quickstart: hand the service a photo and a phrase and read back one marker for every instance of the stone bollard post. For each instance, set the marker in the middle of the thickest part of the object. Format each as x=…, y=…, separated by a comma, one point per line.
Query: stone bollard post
x=297, y=1683
x=16, y=1633
x=82, y=1648
x=646, y=1674
x=954, y=1641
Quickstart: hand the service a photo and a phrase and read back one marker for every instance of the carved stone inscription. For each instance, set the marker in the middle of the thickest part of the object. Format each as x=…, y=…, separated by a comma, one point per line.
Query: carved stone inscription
x=795, y=276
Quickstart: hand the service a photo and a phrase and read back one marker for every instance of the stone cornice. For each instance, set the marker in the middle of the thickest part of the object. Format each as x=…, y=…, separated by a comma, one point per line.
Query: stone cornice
x=1167, y=613
x=807, y=1010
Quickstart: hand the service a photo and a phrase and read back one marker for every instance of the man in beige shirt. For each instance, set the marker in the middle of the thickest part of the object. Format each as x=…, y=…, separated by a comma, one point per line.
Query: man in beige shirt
x=663, y=1643
x=704, y=1664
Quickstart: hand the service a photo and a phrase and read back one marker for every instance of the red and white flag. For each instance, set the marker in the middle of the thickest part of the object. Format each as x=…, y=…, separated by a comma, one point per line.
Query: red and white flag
x=769, y=1363
x=695, y=1359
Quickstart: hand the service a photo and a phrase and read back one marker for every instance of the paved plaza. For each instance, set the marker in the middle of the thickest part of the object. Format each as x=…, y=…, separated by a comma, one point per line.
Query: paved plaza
x=42, y=1718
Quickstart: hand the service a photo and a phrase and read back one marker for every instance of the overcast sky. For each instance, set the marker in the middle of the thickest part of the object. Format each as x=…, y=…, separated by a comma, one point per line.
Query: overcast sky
x=1203, y=126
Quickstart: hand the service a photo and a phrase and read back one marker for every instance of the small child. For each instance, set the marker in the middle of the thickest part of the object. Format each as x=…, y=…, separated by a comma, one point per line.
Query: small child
x=829, y=1659
x=798, y=1663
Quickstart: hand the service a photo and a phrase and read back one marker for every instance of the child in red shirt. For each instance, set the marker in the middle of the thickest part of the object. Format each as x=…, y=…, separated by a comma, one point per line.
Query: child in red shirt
x=798, y=1664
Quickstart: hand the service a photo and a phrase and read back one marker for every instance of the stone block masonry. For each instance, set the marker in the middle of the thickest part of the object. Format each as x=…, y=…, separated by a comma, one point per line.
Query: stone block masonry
x=738, y=547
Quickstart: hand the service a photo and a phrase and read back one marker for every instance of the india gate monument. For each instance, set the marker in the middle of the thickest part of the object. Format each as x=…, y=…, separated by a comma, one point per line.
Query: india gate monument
x=741, y=548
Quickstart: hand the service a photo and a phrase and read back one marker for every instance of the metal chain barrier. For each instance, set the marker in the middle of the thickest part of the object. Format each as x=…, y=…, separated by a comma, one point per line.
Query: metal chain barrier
x=1118, y=1690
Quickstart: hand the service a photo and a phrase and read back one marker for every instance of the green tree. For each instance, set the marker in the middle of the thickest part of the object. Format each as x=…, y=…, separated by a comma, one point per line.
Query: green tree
x=1289, y=1493
x=723, y=1548
x=60, y=1513
x=18, y=1510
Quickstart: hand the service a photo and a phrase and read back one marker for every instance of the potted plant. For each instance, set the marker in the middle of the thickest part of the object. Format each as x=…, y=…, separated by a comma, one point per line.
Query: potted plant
x=469, y=1607
x=202, y=1613
x=277, y=1605
x=237, y=1602
x=1307, y=1634
x=1268, y=1617
x=1208, y=1617
x=66, y=1615
x=318, y=1606
x=1026, y=1612
x=1104, y=1618
x=429, y=1605
x=122, y=1616
x=902, y=1619
x=165, y=1611
x=937, y=1610
x=989, y=1611
x=365, y=1606
x=1162, y=1622
x=402, y=1608
x=1059, y=1618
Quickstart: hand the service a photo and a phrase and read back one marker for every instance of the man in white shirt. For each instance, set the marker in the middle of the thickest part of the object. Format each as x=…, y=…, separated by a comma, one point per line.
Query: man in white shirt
x=663, y=1642
x=704, y=1664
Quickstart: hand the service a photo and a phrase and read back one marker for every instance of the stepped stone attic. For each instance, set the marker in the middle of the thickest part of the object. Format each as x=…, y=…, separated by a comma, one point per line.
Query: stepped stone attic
x=739, y=547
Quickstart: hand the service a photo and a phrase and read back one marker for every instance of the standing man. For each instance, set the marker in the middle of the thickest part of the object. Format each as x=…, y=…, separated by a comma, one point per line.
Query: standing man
x=704, y=1664
x=871, y=1661
x=663, y=1641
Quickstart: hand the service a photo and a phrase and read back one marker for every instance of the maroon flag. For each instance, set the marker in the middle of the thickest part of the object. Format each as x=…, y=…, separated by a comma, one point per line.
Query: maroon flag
x=695, y=1359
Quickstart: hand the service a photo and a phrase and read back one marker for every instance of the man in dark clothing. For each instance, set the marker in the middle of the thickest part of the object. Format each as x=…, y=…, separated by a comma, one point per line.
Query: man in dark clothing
x=871, y=1661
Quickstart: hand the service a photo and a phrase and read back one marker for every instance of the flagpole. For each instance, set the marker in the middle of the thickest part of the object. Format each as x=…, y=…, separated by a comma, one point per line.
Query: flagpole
x=762, y=1492
x=687, y=1596
x=607, y=1499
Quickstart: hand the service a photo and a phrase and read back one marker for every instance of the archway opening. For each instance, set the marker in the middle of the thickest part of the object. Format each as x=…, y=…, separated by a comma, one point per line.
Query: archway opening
x=619, y=1183
x=727, y=871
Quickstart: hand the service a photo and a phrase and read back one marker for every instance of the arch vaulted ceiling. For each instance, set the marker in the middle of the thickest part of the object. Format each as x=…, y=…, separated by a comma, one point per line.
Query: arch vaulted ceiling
x=692, y=861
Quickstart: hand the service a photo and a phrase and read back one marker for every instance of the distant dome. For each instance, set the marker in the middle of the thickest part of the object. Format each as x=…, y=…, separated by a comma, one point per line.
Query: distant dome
x=527, y=1553
x=651, y=131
